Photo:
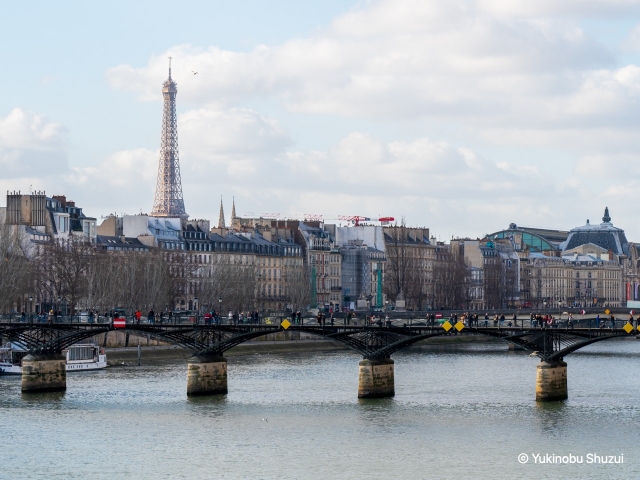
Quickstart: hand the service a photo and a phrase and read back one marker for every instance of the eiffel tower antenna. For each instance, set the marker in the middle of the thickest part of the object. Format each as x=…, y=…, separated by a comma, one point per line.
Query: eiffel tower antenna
x=168, y=200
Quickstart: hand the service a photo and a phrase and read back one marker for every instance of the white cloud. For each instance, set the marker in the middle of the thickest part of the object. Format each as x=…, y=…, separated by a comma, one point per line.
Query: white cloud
x=428, y=182
x=402, y=59
x=632, y=42
x=122, y=182
x=572, y=8
x=220, y=146
x=500, y=73
x=618, y=166
x=31, y=145
x=234, y=139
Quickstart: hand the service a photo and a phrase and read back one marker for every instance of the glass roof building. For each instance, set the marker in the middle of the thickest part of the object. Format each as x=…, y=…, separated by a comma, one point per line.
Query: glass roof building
x=604, y=235
x=534, y=239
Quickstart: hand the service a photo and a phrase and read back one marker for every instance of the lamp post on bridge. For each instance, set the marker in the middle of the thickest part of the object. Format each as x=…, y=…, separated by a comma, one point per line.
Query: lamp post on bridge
x=195, y=307
x=560, y=311
x=219, y=310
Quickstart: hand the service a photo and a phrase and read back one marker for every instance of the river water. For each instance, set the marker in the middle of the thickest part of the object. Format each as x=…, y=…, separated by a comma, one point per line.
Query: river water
x=463, y=411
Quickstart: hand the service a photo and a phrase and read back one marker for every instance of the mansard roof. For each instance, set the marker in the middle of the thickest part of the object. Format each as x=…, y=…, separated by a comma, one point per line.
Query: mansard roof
x=120, y=243
x=604, y=235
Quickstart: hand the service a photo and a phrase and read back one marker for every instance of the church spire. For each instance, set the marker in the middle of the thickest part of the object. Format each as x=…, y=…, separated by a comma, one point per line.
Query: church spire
x=606, y=218
x=221, y=222
x=233, y=210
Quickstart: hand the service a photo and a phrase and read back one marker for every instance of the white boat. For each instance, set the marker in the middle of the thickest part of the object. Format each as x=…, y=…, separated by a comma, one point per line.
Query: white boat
x=80, y=357
x=11, y=358
x=85, y=356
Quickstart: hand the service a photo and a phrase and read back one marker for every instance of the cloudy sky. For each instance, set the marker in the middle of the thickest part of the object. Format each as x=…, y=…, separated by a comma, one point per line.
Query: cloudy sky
x=460, y=115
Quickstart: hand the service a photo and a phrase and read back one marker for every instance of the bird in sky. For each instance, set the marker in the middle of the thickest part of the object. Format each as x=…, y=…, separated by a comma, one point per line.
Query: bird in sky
x=195, y=73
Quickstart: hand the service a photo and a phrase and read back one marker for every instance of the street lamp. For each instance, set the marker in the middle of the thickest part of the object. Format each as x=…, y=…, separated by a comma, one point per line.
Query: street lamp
x=31, y=308
x=220, y=308
x=195, y=307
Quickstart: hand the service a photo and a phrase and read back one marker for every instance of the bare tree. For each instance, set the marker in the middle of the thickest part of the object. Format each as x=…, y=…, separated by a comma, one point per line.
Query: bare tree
x=230, y=278
x=15, y=269
x=398, y=274
x=451, y=281
x=62, y=270
x=128, y=279
x=406, y=268
x=298, y=286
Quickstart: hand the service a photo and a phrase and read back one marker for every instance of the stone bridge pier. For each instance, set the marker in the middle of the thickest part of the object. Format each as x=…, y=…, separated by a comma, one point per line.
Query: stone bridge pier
x=376, y=378
x=44, y=372
x=551, y=381
x=207, y=375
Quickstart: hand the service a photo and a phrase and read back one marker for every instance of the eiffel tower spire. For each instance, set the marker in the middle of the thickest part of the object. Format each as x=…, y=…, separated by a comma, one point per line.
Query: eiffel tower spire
x=221, y=222
x=168, y=200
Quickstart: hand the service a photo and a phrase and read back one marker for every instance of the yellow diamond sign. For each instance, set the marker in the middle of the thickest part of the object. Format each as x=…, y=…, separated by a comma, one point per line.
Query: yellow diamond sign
x=607, y=311
x=447, y=326
x=459, y=326
x=286, y=324
x=628, y=328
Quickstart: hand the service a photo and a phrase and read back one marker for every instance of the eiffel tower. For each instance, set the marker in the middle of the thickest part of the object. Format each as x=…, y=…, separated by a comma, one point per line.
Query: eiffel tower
x=168, y=201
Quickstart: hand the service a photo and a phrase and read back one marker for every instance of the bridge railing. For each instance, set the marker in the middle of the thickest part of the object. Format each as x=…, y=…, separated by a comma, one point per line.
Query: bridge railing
x=523, y=322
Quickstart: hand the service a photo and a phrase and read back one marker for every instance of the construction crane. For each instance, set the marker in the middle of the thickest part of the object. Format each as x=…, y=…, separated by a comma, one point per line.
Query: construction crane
x=356, y=219
x=315, y=217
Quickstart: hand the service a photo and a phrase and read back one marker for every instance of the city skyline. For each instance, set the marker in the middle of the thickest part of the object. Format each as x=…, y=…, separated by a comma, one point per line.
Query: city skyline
x=521, y=114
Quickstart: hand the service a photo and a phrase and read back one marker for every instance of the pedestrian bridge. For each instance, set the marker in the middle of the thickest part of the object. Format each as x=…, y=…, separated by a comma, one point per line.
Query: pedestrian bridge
x=44, y=369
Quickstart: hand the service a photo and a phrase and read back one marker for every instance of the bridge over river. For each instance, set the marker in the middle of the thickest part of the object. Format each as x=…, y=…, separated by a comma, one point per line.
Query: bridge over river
x=44, y=368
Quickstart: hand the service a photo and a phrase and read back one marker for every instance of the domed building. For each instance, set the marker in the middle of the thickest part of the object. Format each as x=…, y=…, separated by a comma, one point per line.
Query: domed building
x=593, y=265
x=605, y=236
